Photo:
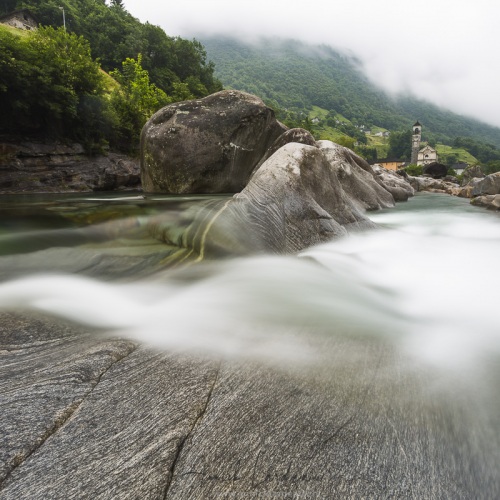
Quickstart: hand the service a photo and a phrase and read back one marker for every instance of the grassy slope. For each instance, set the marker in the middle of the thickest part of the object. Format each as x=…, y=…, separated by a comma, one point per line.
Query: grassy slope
x=463, y=156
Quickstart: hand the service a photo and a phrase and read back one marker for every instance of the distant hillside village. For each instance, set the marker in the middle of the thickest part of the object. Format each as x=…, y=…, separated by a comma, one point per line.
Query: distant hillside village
x=422, y=154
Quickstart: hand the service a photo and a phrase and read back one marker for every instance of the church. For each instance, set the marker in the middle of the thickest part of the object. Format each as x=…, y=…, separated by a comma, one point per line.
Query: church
x=421, y=156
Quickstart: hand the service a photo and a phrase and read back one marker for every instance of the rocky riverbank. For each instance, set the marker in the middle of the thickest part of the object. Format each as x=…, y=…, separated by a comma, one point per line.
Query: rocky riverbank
x=483, y=191
x=89, y=417
x=41, y=167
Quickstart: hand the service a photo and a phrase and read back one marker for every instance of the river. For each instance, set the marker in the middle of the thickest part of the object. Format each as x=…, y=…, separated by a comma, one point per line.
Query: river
x=426, y=279
x=424, y=284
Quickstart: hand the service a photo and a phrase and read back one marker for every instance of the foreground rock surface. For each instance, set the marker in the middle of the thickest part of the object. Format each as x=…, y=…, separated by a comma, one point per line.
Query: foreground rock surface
x=88, y=417
x=34, y=167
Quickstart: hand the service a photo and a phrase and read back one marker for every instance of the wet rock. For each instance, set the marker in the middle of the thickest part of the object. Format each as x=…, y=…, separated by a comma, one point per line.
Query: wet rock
x=84, y=416
x=431, y=185
x=301, y=196
x=474, y=171
x=398, y=186
x=356, y=177
x=298, y=135
x=88, y=417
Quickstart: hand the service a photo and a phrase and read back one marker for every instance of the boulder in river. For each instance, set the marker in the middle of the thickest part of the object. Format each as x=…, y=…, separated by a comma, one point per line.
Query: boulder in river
x=472, y=172
x=490, y=185
x=397, y=185
x=491, y=201
x=208, y=145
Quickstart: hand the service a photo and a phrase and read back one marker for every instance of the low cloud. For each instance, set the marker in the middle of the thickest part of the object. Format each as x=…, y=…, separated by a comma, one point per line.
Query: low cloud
x=444, y=51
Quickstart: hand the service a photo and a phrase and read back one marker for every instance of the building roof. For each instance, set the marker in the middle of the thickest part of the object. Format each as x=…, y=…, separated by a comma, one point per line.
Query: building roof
x=417, y=124
x=389, y=160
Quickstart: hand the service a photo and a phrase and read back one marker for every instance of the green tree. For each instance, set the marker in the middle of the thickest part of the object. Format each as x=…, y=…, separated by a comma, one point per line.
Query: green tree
x=135, y=100
x=400, y=145
x=346, y=141
x=43, y=78
x=414, y=170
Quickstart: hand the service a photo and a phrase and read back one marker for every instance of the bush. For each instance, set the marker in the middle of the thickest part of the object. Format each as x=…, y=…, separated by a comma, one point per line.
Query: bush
x=414, y=170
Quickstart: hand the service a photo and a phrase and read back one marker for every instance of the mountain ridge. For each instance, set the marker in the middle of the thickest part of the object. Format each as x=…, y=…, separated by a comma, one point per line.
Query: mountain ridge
x=296, y=76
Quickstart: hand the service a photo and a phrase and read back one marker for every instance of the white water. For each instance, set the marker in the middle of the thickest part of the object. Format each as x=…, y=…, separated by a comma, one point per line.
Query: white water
x=426, y=282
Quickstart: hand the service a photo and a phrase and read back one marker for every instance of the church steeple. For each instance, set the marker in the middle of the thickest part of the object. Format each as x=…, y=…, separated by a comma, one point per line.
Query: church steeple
x=415, y=142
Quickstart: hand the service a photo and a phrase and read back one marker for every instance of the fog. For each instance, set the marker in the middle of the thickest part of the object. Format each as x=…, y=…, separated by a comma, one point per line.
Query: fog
x=441, y=50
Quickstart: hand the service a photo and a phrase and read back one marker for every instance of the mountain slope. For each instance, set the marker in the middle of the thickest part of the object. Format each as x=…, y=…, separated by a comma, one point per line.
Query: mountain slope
x=297, y=76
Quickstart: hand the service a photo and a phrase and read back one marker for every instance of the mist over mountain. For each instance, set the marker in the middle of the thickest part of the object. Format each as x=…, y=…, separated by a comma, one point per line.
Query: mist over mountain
x=295, y=76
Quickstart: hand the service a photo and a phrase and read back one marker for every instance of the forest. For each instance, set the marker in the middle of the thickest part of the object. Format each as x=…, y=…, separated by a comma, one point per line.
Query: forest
x=96, y=79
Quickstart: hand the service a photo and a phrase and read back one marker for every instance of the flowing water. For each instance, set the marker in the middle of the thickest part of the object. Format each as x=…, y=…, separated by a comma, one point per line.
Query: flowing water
x=423, y=288
x=426, y=280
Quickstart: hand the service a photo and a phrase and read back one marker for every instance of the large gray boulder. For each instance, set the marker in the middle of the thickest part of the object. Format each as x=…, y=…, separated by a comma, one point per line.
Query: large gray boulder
x=209, y=145
x=490, y=185
x=397, y=185
x=356, y=177
x=292, y=192
x=297, y=198
x=294, y=200
x=472, y=172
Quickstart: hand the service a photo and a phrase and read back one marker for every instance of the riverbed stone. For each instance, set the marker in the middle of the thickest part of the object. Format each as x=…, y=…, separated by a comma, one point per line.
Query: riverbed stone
x=397, y=185
x=357, y=178
x=491, y=201
x=294, y=200
x=471, y=172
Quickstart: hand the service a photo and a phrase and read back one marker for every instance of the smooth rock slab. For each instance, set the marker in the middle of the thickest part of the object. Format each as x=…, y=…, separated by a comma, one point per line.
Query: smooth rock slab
x=122, y=432
x=359, y=423
x=366, y=428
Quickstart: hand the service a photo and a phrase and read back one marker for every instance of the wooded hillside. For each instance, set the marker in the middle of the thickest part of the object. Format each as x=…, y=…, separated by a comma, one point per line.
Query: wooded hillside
x=295, y=76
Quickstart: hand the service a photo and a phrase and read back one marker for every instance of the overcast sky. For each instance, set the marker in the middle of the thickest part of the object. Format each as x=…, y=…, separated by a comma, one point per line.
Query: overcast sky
x=447, y=51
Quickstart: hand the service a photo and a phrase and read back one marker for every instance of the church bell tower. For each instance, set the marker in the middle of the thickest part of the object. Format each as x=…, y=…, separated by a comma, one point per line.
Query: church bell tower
x=415, y=142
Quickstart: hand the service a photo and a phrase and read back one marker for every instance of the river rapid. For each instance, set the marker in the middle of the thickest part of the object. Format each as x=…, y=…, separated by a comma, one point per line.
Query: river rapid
x=400, y=321
x=426, y=280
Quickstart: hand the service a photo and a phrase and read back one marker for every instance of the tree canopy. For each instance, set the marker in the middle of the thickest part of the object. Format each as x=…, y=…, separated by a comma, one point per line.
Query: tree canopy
x=43, y=79
x=52, y=83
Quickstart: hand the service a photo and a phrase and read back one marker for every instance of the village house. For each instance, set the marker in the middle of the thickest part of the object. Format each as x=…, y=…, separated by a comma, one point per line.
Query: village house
x=391, y=163
x=459, y=167
x=21, y=19
x=427, y=155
